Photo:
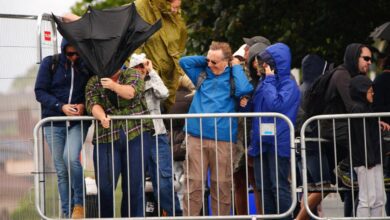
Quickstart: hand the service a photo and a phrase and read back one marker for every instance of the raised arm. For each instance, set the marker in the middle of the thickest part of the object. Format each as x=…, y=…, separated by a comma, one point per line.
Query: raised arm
x=193, y=66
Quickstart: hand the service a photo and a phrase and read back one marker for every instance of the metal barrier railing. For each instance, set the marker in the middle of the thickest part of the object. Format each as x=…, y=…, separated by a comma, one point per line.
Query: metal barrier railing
x=330, y=138
x=43, y=182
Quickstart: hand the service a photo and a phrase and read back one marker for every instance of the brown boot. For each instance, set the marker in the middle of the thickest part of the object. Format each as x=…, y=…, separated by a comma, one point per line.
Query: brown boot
x=78, y=212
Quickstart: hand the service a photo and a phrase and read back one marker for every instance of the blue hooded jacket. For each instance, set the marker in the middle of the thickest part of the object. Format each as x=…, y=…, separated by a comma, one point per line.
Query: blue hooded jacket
x=65, y=86
x=276, y=93
x=213, y=96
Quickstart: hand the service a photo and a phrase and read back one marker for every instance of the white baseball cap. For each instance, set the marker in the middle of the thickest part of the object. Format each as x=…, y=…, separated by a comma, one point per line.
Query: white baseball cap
x=136, y=59
x=240, y=52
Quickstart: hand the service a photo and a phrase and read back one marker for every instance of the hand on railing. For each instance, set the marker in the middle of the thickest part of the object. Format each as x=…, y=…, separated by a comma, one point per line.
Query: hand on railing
x=384, y=126
x=105, y=121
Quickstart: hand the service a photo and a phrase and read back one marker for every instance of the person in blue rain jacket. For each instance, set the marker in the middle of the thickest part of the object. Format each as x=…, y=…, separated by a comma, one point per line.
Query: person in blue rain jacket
x=276, y=92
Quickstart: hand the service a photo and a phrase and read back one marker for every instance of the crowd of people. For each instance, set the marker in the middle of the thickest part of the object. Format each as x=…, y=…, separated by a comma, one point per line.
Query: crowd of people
x=256, y=78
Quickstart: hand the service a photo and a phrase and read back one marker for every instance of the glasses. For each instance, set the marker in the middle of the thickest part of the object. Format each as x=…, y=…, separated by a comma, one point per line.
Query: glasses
x=71, y=54
x=366, y=58
x=211, y=61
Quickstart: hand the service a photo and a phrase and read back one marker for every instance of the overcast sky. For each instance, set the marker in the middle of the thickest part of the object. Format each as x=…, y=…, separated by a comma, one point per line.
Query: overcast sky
x=35, y=7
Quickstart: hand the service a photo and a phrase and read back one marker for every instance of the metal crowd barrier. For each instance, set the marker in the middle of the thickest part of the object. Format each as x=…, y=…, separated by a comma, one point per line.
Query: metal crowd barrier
x=332, y=148
x=46, y=193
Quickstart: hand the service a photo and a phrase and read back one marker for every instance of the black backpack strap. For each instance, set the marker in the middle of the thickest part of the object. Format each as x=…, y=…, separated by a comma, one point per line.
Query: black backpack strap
x=232, y=84
x=55, y=60
x=202, y=76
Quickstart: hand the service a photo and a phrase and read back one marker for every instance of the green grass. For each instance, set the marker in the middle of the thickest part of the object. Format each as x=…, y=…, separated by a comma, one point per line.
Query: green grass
x=26, y=208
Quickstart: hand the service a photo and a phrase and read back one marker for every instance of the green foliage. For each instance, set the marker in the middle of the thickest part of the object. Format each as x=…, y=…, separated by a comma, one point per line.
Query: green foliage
x=81, y=6
x=307, y=26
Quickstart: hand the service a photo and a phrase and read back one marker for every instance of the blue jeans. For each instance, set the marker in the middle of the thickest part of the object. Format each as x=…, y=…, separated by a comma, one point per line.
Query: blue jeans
x=165, y=174
x=65, y=147
x=125, y=159
x=315, y=165
x=268, y=185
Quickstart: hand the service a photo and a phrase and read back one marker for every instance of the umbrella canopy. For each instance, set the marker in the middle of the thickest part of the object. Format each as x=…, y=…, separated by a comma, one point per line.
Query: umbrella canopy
x=106, y=38
x=382, y=32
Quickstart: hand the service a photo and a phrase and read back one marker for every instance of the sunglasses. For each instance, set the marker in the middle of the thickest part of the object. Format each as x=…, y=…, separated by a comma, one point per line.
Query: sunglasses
x=367, y=58
x=212, y=61
x=71, y=54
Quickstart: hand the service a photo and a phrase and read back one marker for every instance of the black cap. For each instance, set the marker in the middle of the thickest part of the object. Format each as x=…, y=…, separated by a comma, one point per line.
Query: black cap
x=256, y=39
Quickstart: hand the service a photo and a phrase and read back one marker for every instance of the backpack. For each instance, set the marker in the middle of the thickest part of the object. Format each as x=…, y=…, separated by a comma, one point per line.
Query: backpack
x=314, y=101
x=55, y=60
x=203, y=75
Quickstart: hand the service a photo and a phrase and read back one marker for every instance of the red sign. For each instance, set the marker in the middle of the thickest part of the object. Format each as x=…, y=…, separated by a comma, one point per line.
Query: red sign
x=47, y=35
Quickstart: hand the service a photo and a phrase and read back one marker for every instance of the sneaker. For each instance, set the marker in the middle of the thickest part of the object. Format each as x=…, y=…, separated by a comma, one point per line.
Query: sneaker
x=386, y=180
x=78, y=212
x=345, y=177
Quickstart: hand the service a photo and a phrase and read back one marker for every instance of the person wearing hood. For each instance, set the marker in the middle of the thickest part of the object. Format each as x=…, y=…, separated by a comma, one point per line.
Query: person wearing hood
x=318, y=171
x=60, y=87
x=167, y=45
x=276, y=93
x=357, y=61
x=366, y=153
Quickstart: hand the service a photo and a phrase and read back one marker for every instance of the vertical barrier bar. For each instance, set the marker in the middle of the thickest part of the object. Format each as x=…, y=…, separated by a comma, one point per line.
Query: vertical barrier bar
x=128, y=170
x=350, y=165
x=172, y=171
x=232, y=165
x=158, y=175
x=276, y=169
x=246, y=168
x=143, y=166
x=98, y=167
x=217, y=167
x=261, y=167
x=187, y=176
x=113, y=169
x=202, y=169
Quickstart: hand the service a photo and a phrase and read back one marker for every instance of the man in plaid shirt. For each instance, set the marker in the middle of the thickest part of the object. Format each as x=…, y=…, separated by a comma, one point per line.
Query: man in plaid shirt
x=118, y=144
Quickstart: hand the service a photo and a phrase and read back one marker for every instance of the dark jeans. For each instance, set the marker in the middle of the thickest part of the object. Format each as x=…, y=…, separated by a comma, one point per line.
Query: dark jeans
x=111, y=160
x=164, y=172
x=265, y=177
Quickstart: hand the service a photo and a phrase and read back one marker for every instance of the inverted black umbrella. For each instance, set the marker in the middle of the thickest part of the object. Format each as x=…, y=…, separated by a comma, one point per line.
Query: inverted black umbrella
x=381, y=32
x=106, y=38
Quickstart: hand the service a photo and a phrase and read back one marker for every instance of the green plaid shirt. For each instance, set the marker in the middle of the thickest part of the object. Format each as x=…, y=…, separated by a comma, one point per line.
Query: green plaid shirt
x=96, y=95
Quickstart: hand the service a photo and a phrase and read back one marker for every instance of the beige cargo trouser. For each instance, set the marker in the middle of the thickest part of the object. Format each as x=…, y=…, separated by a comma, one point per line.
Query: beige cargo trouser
x=220, y=173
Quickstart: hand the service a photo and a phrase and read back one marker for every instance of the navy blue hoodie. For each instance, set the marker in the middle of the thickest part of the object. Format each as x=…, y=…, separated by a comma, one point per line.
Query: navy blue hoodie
x=64, y=86
x=277, y=93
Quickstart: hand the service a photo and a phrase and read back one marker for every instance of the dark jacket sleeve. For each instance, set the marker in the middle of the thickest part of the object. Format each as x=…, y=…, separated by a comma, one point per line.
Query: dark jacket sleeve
x=43, y=87
x=342, y=80
x=380, y=90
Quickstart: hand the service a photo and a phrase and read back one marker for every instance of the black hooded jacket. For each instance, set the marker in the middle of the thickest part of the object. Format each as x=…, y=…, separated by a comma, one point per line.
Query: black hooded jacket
x=338, y=90
x=313, y=66
x=337, y=95
x=364, y=138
